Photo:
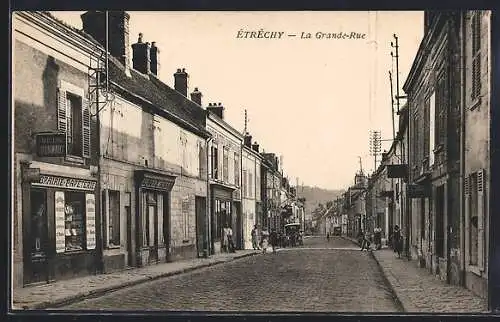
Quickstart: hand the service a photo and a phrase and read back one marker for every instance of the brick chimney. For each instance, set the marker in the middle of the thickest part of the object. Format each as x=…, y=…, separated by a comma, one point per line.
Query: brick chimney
x=255, y=147
x=248, y=140
x=94, y=24
x=141, y=59
x=196, y=96
x=216, y=109
x=181, y=81
x=154, y=55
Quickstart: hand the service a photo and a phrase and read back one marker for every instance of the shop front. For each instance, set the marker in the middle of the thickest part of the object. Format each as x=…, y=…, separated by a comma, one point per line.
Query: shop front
x=221, y=215
x=59, y=227
x=153, y=216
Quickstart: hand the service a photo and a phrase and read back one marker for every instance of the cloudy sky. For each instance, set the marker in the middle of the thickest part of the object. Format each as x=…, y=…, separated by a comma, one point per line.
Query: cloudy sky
x=313, y=101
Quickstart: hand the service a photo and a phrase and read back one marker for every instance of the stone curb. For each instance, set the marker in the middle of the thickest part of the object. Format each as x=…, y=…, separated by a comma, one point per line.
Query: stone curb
x=99, y=292
x=388, y=280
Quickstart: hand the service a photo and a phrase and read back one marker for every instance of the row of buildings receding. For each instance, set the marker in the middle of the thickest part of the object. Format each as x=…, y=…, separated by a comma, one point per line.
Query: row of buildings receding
x=435, y=180
x=112, y=168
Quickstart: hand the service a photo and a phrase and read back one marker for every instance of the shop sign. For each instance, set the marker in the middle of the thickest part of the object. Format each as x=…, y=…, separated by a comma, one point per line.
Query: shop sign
x=157, y=183
x=397, y=171
x=51, y=145
x=60, y=220
x=418, y=191
x=65, y=183
x=31, y=174
x=90, y=223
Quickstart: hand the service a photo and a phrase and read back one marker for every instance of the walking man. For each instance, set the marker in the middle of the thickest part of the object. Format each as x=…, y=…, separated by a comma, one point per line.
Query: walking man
x=273, y=239
x=255, y=238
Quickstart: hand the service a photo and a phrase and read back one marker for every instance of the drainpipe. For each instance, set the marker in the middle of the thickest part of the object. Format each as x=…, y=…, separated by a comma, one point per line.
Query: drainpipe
x=462, y=143
x=207, y=249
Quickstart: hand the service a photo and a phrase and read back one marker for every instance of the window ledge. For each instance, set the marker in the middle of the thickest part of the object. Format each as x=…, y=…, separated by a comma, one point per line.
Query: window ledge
x=113, y=247
x=475, y=103
x=75, y=159
x=474, y=269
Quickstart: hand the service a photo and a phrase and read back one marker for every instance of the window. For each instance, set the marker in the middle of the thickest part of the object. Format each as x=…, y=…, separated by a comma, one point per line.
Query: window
x=476, y=54
x=244, y=185
x=250, y=185
x=73, y=116
x=225, y=164
x=202, y=160
x=474, y=191
x=432, y=127
x=148, y=219
x=441, y=107
x=114, y=219
x=74, y=212
x=236, y=169
x=215, y=162
x=223, y=216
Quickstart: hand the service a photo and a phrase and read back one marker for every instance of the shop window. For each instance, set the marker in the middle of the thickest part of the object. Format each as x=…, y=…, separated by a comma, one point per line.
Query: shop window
x=73, y=116
x=148, y=219
x=223, y=216
x=114, y=219
x=74, y=211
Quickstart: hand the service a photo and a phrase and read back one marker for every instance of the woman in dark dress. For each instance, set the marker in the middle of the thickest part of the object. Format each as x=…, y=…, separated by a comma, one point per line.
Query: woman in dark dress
x=396, y=239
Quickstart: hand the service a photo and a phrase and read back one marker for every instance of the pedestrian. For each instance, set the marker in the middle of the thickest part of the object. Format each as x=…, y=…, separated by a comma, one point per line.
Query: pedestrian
x=328, y=237
x=377, y=238
x=264, y=240
x=365, y=242
x=255, y=238
x=230, y=242
x=224, y=239
x=396, y=240
x=273, y=239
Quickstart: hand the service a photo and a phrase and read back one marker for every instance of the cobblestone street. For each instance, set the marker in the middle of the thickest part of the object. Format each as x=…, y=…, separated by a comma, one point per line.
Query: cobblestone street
x=319, y=276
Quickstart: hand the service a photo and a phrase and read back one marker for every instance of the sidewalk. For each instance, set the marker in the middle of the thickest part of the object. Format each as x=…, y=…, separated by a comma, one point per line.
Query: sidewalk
x=69, y=291
x=420, y=292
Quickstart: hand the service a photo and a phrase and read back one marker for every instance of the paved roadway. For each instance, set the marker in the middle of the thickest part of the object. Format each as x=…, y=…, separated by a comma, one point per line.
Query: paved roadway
x=321, y=276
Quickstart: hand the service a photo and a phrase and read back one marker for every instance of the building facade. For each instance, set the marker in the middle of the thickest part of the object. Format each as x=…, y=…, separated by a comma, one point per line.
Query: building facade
x=250, y=188
x=225, y=164
x=55, y=189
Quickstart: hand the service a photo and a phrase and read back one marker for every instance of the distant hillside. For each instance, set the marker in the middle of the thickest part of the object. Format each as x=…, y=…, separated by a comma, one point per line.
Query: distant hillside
x=315, y=196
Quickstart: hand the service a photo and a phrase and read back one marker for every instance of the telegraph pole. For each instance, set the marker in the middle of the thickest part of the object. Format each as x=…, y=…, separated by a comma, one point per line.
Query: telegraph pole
x=396, y=46
x=392, y=107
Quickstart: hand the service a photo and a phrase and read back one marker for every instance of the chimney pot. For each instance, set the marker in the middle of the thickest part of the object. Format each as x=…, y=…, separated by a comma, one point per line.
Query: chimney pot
x=178, y=70
x=140, y=38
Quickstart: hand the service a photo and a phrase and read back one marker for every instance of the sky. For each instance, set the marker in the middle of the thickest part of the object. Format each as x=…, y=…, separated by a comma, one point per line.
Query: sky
x=313, y=101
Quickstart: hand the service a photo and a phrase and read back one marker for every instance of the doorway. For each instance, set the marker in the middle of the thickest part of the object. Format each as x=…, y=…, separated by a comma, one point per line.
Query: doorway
x=440, y=222
x=36, y=263
x=201, y=233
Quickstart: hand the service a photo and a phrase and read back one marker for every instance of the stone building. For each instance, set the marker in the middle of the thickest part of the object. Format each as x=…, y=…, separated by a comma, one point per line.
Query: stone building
x=433, y=89
x=270, y=191
x=56, y=198
x=153, y=155
x=225, y=165
x=250, y=191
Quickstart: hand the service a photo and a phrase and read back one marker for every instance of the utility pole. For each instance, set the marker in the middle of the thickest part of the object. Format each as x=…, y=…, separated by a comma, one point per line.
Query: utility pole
x=396, y=46
x=246, y=123
x=392, y=107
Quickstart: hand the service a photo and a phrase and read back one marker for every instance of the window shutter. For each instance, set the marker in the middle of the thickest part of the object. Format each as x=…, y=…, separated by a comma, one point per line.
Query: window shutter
x=85, y=128
x=480, y=219
x=62, y=113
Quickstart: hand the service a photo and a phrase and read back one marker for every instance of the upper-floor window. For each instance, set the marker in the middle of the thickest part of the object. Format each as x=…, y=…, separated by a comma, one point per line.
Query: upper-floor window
x=250, y=185
x=236, y=169
x=215, y=162
x=476, y=54
x=73, y=118
x=225, y=164
x=244, y=185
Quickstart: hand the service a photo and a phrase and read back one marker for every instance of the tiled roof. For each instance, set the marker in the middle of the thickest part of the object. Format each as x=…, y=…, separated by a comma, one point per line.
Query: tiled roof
x=180, y=109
